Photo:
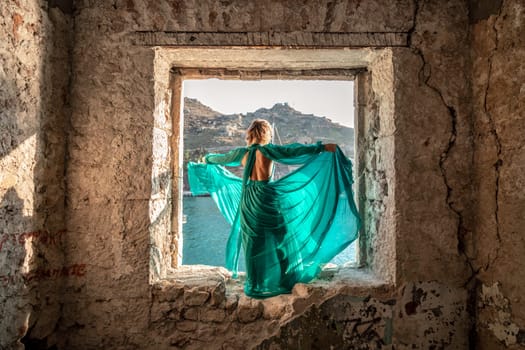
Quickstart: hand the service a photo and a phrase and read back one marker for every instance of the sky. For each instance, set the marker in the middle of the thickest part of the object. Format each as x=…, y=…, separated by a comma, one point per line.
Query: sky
x=324, y=98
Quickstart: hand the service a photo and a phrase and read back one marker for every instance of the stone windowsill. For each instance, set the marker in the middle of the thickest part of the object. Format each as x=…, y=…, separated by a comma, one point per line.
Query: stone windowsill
x=348, y=280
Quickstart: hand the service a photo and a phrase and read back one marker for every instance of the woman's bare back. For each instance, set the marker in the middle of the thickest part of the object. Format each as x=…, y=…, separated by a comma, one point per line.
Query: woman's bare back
x=262, y=169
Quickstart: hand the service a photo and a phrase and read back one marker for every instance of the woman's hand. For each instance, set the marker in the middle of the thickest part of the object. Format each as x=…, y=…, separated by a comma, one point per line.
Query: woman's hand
x=330, y=147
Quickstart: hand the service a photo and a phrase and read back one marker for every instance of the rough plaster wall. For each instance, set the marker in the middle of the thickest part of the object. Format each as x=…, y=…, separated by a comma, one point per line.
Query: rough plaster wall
x=34, y=82
x=165, y=249
x=262, y=16
x=498, y=48
x=376, y=166
x=107, y=300
x=435, y=150
x=109, y=181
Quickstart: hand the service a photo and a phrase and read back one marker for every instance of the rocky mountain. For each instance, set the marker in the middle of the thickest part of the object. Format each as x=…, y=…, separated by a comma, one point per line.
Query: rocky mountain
x=206, y=130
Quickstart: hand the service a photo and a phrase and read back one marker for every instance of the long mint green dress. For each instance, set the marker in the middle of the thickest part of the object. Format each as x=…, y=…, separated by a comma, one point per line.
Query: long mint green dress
x=288, y=228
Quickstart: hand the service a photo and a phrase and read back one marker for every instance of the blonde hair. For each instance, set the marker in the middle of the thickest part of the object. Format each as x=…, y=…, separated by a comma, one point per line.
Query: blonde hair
x=259, y=131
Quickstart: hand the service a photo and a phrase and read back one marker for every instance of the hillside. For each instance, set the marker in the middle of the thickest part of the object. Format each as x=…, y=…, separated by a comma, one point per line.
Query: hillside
x=209, y=129
x=206, y=130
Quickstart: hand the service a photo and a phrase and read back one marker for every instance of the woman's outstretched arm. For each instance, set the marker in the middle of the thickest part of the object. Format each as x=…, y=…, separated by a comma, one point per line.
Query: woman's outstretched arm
x=232, y=158
x=296, y=153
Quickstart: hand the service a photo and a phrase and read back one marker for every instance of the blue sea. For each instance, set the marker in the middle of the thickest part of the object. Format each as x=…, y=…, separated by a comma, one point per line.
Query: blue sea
x=205, y=234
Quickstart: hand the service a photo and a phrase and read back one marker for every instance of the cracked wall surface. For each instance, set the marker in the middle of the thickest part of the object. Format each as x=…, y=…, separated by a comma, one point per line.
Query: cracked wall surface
x=442, y=175
x=498, y=87
x=438, y=154
x=112, y=129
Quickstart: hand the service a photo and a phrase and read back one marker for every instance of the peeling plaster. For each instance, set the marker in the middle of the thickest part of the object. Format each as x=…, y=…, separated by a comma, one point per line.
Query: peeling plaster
x=500, y=324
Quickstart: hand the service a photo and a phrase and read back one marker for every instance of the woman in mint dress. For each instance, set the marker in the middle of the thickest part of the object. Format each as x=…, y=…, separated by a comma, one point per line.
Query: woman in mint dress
x=287, y=228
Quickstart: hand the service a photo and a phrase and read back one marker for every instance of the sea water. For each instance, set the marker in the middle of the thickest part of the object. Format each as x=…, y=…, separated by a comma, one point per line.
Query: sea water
x=205, y=234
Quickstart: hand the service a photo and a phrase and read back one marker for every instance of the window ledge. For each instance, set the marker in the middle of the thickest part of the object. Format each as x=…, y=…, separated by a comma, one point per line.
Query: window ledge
x=332, y=280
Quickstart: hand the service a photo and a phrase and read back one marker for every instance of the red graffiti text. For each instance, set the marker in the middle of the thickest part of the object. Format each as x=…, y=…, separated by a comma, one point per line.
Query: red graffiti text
x=42, y=237
x=74, y=271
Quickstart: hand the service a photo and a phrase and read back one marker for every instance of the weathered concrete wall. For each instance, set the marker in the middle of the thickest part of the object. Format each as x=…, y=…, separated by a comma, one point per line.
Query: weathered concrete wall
x=109, y=184
x=34, y=99
x=435, y=147
x=375, y=169
x=498, y=82
x=437, y=113
x=110, y=179
x=34, y=83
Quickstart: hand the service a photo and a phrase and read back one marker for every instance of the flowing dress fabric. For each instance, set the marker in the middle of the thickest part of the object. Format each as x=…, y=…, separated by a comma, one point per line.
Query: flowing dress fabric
x=287, y=228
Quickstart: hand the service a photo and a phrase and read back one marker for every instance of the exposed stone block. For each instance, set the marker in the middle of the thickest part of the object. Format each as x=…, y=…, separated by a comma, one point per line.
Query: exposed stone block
x=232, y=300
x=218, y=294
x=274, y=308
x=187, y=326
x=213, y=315
x=167, y=293
x=191, y=314
x=249, y=309
x=195, y=296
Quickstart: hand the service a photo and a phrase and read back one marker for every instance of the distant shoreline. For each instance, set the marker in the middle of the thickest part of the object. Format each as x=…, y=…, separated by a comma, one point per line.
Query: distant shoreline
x=189, y=194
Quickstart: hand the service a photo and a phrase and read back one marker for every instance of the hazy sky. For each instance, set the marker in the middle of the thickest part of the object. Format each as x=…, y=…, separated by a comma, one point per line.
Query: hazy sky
x=331, y=99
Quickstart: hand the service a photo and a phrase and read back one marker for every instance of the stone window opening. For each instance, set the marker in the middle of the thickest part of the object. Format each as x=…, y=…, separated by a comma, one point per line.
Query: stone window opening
x=375, y=265
x=207, y=134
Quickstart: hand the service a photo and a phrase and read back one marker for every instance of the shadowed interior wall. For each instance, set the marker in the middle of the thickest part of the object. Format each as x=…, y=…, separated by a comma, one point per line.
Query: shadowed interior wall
x=498, y=77
x=34, y=112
